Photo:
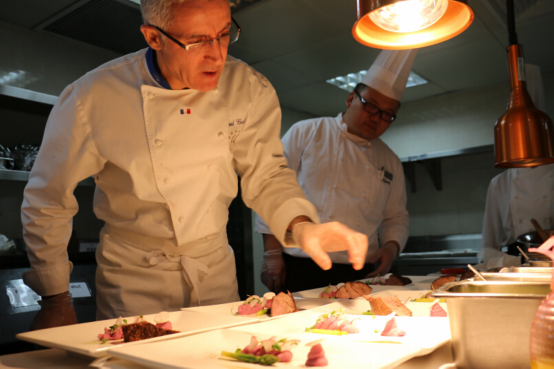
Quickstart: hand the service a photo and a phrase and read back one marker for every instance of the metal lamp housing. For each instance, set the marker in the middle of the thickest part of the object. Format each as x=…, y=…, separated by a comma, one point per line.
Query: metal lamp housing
x=458, y=18
x=523, y=135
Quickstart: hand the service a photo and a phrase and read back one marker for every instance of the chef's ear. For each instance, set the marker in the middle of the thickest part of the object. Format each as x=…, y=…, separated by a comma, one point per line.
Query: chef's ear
x=152, y=36
x=350, y=99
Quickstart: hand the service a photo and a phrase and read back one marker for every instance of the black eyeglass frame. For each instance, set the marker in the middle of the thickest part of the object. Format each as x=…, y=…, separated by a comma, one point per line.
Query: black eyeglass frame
x=195, y=43
x=377, y=110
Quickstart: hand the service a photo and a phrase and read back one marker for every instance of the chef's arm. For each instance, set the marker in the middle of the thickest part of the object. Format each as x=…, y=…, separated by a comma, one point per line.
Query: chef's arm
x=66, y=157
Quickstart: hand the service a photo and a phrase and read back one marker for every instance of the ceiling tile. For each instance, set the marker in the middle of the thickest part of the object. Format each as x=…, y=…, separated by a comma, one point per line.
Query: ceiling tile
x=341, y=12
x=421, y=92
x=282, y=78
x=470, y=65
x=331, y=58
x=320, y=99
x=277, y=27
x=29, y=13
x=246, y=56
x=476, y=31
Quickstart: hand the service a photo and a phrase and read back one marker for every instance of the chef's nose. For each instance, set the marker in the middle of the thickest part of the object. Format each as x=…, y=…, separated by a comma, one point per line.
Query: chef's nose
x=216, y=53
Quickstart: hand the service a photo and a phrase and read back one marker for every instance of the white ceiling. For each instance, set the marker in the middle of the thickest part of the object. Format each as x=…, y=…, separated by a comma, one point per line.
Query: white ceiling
x=298, y=44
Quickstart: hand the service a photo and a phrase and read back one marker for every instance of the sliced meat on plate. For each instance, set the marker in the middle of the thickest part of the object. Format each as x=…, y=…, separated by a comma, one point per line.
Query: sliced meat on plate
x=282, y=304
x=384, y=305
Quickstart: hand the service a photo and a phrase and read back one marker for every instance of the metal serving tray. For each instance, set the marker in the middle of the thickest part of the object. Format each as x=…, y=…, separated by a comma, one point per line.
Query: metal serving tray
x=491, y=321
x=517, y=277
x=526, y=270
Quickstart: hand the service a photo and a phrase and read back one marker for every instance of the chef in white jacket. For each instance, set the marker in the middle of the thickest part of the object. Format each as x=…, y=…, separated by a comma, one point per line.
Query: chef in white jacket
x=351, y=176
x=518, y=195
x=164, y=132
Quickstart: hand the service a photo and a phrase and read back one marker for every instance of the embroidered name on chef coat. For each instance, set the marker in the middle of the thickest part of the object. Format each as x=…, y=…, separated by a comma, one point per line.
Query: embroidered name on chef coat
x=183, y=111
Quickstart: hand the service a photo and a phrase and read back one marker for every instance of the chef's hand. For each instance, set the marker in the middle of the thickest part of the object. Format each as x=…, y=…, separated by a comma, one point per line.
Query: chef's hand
x=274, y=272
x=55, y=311
x=317, y=240
x=385, y=256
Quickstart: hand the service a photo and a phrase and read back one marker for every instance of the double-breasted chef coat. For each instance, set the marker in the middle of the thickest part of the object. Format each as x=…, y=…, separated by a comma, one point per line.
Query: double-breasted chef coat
x=357, y=182
x=165, y=163
x=514, y=198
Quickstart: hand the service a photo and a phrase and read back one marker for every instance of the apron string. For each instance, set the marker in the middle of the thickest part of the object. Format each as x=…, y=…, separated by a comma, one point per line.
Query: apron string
x=193, y=270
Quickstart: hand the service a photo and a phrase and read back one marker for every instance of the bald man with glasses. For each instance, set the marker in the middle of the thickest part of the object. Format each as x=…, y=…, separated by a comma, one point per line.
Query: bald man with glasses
x=352, y=177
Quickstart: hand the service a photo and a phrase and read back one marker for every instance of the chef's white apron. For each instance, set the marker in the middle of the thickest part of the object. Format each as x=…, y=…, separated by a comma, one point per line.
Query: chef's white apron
x=187, y=133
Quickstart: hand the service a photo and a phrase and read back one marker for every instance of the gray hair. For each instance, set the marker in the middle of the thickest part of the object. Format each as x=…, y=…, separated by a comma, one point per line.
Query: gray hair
x=158, y=12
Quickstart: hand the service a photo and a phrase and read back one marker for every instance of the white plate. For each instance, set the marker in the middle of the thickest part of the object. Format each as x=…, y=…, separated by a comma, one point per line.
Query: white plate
x=425, y=333
x=203, y=351
x=82, y=339
x=225, y=309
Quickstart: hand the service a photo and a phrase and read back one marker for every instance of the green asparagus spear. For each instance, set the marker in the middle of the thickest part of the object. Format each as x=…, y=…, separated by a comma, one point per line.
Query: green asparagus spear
x=263, y=360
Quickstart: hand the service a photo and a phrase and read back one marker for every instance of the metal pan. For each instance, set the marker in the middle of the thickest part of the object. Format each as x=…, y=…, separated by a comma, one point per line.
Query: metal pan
x=540, y=263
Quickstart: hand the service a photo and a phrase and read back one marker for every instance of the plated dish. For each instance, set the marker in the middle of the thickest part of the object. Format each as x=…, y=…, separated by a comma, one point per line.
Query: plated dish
x=83, y=339
x=204, y=351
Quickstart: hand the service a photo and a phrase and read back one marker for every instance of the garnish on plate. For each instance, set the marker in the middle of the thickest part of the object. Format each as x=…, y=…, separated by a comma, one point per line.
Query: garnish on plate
x=264, y=352
x=335, y=323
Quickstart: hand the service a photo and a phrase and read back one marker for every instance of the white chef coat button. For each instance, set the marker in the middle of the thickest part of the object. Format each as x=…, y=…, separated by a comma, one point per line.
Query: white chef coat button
x=334, y=186
x=363, y=193
x=166, y=180
x=158, y=142
x=181, y=220
x=220, y=135
x=330, y=216
x=358, y=224
x=367, y=166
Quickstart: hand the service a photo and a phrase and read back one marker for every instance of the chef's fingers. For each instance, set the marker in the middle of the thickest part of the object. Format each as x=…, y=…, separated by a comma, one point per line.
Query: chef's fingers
x=315, y=251
x=357, y=249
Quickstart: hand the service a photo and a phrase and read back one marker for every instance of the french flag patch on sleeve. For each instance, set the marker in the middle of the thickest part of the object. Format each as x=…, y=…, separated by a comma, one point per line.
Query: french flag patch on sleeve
x=185, y=111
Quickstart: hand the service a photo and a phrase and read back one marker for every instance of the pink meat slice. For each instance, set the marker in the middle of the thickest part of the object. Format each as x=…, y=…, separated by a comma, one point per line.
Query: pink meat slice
x=438, y=311
x=391, y=329
x=316, y=356
x=166, y=325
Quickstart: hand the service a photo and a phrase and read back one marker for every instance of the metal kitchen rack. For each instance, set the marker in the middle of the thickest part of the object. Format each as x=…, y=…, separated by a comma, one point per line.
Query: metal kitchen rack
x=16, y=98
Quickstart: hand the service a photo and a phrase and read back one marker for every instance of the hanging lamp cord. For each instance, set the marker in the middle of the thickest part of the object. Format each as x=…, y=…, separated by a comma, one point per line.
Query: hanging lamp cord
x=512, y=35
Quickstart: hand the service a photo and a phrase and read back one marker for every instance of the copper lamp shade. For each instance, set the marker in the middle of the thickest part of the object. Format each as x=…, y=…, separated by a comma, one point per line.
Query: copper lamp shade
x=457, y=18
x=523, y=135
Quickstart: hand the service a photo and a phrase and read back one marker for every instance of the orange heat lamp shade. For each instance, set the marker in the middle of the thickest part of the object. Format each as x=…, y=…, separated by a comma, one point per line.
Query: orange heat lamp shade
x=523, y=135
x=410, y=24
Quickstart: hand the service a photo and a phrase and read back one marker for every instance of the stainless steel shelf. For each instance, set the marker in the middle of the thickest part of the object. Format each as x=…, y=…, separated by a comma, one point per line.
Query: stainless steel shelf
x=20, y=175
x=28, y=95
x=443, y=154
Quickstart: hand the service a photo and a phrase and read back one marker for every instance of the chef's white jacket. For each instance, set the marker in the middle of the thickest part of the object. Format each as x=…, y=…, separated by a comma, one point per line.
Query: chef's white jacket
x=357, y=182
x=514, y=198
x=165, y=163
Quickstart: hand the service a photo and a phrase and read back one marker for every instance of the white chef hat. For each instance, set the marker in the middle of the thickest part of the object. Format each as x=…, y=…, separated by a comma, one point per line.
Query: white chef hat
x=534, y=85
x=390, y=71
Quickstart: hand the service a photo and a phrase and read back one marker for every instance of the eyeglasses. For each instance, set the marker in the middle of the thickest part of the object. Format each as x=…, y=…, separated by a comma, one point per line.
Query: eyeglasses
x=372, y=109
x=203, y=46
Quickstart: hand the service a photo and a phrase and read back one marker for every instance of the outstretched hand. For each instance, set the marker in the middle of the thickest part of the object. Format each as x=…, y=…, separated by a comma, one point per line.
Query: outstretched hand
x=317, y=240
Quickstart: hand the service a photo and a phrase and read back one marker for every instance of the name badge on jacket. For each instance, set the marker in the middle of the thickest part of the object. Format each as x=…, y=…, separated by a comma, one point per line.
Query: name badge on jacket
x=386, y=176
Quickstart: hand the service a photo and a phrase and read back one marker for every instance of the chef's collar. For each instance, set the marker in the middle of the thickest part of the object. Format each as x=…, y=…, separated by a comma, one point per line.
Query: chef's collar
x=356, y=139
x=150, y=55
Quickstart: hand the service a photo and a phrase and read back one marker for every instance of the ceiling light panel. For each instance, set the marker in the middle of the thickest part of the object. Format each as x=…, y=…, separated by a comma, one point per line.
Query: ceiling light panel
x=350, y=81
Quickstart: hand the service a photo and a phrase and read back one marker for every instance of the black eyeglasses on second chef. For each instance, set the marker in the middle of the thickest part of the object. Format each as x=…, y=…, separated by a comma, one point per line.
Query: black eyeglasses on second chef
x=203, y=46
x=372, y=109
